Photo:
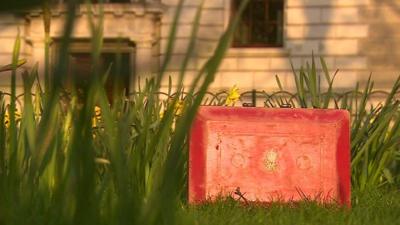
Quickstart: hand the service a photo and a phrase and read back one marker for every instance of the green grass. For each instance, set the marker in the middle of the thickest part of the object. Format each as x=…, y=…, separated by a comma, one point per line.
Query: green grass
x=58, y=167
x=374, y=207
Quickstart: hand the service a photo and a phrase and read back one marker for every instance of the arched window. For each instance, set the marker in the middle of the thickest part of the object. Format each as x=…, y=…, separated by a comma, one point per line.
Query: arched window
x=261, y=24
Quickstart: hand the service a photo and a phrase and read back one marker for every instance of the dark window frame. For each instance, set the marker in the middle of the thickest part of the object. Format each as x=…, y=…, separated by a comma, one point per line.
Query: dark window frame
x=279, y=26
x=112, y=45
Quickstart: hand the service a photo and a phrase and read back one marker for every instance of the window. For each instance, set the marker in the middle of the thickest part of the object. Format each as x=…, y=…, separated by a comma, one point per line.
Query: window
x=261, y=24
x=119, y=64
x=116, y=56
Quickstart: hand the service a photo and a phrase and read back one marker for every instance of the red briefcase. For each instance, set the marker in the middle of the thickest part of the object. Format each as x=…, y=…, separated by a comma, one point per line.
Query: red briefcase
x=260, y=154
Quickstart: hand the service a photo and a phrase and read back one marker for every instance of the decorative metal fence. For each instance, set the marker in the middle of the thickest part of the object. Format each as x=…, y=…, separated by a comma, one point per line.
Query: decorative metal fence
x=284, y=99
x=256, y=98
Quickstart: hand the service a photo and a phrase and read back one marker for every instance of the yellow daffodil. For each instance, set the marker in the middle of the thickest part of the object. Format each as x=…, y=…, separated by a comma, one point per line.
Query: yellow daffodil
x=233, y=96
x=161, y=114
x=97, y=112
x=178, y=108
x=97, y=116
x=18, y=116
x=7, y=118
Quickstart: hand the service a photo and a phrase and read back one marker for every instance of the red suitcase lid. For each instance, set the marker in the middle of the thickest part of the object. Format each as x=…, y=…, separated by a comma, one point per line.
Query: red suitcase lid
x=270, y=154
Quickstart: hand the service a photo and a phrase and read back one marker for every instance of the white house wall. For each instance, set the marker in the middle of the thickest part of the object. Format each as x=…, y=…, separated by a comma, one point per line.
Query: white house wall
x=329, y=28
x=10, y=25
x=355, y=36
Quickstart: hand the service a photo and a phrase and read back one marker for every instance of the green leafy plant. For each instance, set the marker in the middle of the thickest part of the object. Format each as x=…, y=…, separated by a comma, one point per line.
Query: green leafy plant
x=63, y=164
x=375, y=135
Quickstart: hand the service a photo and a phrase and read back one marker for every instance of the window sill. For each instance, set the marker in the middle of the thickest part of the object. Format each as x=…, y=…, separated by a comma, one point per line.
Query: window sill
x=257, y=52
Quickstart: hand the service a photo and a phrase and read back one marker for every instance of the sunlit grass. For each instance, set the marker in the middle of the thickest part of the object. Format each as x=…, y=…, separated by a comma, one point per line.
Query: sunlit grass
x=375, y=207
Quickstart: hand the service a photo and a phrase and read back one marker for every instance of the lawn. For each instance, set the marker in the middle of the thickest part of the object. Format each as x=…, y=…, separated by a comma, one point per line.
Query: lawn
x=373, y=207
